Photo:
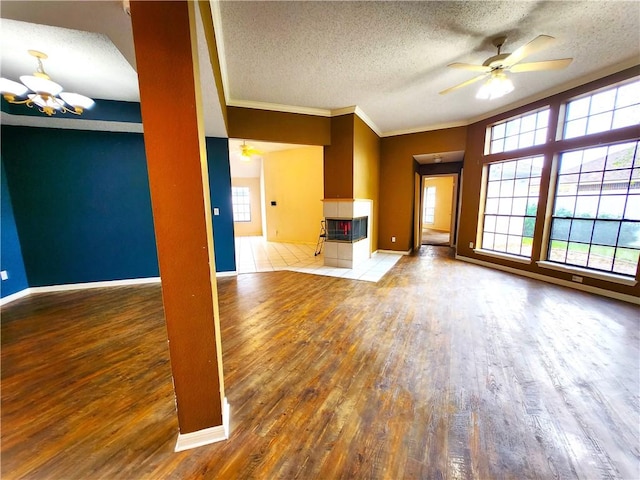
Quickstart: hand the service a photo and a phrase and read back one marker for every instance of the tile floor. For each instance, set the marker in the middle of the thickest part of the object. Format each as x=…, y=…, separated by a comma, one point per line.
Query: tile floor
x=255, y=254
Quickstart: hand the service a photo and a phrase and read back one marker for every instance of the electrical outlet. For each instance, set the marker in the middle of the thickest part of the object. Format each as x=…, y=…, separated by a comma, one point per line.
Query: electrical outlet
x=576, y=278
x=470, y=244
x=4, y=275
x=393, y=239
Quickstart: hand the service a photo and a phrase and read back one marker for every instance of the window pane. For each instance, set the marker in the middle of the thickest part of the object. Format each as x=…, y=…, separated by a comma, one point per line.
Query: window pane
x=626, y=117
x=575, y=128
x=581, y=231
x=502, y=224
x=528, y=123
x=626, y=261
x=490, y=223
x=506, y=188
x=601, y=258
x=516, y=226
x=586, y=207
x=602, y=102
x=577, y=254
x=560, y=229
x=513, y=127
x=491, y=206
x=632, y=211
x=628, y=95
x=500, y=242
x=498, y=131
x=511, y=143
x=513, y=245
x=558, y=251
x=487, y=240
x=526, y=140
x=565, y=207
x=495, y=171
x=600, y=123
x=578, y=108
x=606, y=233
x=571, y=162
x=611, y=206
x=519, y=207
x=629, y=235
x=493, y=189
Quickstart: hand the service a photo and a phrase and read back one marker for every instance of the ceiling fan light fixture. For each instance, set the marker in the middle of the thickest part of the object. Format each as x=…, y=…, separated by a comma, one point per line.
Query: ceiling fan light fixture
x=498, y=85
x=47, y=95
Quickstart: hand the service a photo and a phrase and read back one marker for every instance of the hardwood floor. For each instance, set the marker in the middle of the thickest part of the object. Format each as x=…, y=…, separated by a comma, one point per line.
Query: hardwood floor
x=441, y=370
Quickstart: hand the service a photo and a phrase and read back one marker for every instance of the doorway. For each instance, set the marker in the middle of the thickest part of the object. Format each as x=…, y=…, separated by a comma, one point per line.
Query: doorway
x=438, y=212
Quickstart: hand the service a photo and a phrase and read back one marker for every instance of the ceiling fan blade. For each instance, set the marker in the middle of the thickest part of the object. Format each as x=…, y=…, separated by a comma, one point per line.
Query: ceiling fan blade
x=539, y=43
x=538, y=66
x=463, y=84
x=469, y=66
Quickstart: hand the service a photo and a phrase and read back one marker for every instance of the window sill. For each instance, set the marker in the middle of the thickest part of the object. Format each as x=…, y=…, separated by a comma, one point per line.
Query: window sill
x=503, y=256
x=608, y=277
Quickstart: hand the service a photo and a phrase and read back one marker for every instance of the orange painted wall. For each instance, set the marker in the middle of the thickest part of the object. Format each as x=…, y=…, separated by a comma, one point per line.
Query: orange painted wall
x=281, y=127
x=396, y=180
x=366, y=171
x=338, y=159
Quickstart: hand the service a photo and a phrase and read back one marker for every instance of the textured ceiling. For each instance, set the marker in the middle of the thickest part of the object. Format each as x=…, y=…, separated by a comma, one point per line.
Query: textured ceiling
x=387, y=58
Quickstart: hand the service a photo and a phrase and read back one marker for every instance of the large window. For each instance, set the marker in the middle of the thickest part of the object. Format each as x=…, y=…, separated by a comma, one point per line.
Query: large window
x=592, y=217
x=511, y=205
x=241, y=200
x=596, y=214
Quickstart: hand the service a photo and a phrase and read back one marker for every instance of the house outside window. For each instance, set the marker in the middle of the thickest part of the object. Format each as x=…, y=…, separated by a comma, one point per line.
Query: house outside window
x=241, y=201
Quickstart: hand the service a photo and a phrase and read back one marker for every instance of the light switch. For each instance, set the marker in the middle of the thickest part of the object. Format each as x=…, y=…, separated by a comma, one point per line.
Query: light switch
x=4, y=275
x=216, y=211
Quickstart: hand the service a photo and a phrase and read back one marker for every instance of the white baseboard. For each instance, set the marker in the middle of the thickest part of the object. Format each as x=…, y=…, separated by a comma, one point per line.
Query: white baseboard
x=82, y=286
x=557, y=281
x=233, y=273
x=77, y=286
x=206, y=436
x=15, y=296
x=397, y=252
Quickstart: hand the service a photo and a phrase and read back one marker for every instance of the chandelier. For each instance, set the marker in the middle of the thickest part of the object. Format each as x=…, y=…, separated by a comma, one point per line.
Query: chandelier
x=47, y=95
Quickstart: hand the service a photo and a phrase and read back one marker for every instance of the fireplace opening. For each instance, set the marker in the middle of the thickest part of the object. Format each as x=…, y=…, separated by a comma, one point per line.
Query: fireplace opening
x=347, y=230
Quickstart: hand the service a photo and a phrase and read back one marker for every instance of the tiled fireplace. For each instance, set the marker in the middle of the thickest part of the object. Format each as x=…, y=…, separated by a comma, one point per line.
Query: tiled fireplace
x=348, y=224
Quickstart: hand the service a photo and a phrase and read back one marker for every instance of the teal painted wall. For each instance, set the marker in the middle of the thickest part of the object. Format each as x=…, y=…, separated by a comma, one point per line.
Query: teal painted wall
x=82, y=205
x=10, y=251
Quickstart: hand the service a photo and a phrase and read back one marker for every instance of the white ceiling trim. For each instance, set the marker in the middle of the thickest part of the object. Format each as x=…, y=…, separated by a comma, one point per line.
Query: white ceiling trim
x=274, y=107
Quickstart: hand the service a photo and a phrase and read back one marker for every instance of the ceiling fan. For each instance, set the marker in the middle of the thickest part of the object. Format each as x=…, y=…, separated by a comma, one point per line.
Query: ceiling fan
x=495, y=67
x=247, y=151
